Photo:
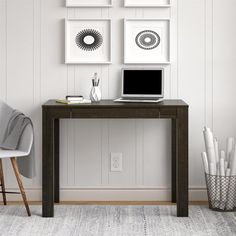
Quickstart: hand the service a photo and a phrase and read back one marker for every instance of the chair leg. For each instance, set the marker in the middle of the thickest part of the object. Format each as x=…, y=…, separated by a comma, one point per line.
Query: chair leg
x=18, y=177
x=2, y=183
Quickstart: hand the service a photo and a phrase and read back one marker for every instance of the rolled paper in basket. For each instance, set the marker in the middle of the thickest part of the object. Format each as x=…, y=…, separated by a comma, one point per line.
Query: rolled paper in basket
x=214, y=195
x=229, y=148
x=231, y=192
x=228, y=171
x=222, y=184
x=233, y=162
x=212, y=168
x=216, y=146
x=226, y=165
x=209, y=143
x=205, y=162
x=222, y=167
x=222, y=154
x=224, y=189
x=229, y=203
x=232, y=185
x=217, y=179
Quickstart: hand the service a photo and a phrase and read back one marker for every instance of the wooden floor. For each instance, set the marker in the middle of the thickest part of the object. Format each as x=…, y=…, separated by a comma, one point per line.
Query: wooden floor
x=107, y=203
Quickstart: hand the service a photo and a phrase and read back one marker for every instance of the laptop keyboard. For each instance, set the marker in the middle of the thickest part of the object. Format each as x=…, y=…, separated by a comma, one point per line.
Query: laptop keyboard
x=138, y=100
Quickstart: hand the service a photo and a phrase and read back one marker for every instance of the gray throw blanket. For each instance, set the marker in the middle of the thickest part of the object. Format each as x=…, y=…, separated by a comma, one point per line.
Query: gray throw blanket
x=12, y=125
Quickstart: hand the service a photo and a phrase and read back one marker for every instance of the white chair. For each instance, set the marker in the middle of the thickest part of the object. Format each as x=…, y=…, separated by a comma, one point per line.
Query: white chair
x=23, y=149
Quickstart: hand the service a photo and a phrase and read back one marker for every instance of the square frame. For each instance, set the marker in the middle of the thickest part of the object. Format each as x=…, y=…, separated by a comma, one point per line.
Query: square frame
x=134, y=54
x=147, y=3
x=76, y=55
x=89, y=3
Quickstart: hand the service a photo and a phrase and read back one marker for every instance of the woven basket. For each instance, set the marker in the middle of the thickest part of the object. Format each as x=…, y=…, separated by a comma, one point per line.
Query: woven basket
x=221, y=192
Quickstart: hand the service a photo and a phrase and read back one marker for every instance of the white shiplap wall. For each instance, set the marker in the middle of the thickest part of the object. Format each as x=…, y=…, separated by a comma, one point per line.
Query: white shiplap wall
x=32, y=70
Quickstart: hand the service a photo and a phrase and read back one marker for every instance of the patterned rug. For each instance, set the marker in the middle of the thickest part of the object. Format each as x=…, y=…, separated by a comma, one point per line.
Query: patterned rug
x=116, y=221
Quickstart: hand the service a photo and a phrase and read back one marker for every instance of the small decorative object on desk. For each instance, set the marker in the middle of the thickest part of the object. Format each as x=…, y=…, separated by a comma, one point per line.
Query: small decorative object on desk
x=95, y=94
x=220, y=173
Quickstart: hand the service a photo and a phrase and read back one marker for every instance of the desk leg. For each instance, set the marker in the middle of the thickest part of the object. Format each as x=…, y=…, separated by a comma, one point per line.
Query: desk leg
x=56, y=160
x=182, y=162
x=48, y=165
x=173, y=161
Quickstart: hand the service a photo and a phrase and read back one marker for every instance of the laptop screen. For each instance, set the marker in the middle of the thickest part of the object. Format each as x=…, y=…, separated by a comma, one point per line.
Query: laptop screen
x=143, y=83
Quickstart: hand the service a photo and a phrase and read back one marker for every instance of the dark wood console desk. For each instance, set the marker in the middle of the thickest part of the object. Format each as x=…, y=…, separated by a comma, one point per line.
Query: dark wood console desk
x=176, y=110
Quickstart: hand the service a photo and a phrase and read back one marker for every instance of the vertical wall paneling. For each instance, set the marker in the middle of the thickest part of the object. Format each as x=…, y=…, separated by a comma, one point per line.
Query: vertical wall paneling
x=156, y=153
x=36, y=112
x=64, y=153
x=3, y=54
x=71, y=149
x=173, y=80
x=139, y=154
x=191, y=45
x=122, y=139
x=209, y=63
x=3, y=50
x=105, y=155
x=20, y=24
x=104, y=86
x=105, y=69
x=202, y=73
x=54, y=71
x=69, y=172
x=20, y=72
x=224, y=82
x=88, y=150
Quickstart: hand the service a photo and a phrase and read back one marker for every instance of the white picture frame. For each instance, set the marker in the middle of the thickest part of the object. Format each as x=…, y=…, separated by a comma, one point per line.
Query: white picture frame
x=88, y=41
x=89, y=3
x=147, y=41
x=147, y=3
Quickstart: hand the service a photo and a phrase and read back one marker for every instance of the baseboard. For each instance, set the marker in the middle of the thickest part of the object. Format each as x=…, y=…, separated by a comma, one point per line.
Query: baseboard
x=196, y=194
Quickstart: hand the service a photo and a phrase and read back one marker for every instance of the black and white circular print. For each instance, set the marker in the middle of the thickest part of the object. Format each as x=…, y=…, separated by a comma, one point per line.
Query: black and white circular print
x=89, y=39
x=147, y=39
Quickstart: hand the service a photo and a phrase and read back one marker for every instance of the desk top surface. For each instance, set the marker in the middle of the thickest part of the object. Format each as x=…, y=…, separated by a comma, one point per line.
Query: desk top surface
x=112, y=104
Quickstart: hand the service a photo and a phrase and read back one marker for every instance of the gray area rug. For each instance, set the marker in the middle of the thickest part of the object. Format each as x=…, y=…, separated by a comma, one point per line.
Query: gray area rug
x=116, y=220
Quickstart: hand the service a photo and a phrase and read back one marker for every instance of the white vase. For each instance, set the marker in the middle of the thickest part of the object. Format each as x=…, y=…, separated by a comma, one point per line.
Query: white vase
x=95, y=94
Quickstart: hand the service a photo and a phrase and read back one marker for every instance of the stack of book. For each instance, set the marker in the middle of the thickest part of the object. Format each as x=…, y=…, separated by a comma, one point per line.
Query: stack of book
x=70, y=99
x=74, y=99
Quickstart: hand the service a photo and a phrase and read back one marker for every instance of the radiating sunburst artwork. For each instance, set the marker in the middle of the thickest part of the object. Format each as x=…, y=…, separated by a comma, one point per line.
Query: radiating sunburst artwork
x=89, y=39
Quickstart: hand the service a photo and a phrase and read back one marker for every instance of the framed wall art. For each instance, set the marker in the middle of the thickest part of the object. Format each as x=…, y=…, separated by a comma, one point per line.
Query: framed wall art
x=88, y=41
x=147, y=3
x=147, y=41
x=89, y=3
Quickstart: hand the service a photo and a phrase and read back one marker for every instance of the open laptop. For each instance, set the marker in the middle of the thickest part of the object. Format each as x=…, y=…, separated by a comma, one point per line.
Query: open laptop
x=142, y=85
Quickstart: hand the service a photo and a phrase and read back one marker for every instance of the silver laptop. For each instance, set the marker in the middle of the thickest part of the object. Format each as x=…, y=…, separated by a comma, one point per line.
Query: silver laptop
x=142, y=85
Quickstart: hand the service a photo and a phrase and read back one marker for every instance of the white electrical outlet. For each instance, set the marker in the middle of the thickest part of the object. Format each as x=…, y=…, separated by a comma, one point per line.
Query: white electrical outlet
x=116, y=162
